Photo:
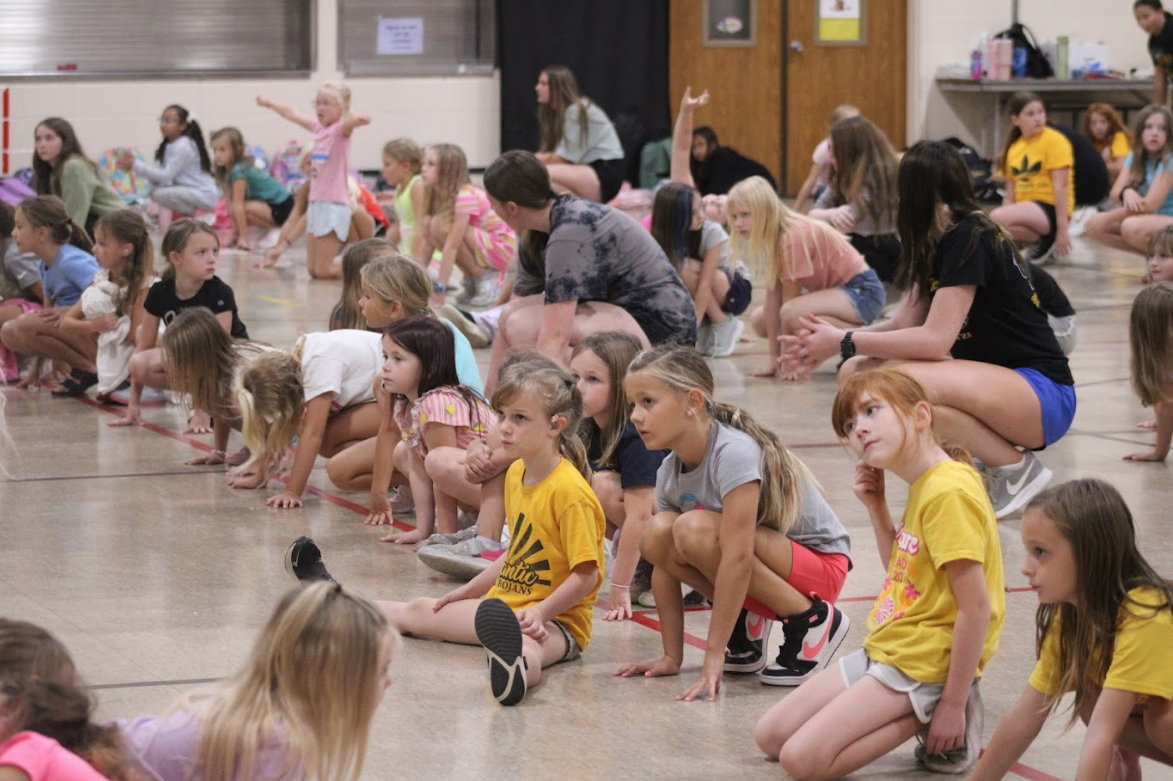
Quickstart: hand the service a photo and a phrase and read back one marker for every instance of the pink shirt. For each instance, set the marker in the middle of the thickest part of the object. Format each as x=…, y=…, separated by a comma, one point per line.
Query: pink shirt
x=328, y=164
x=475, y=203
x=448, y=408
x=44, y=759
x=809, y=255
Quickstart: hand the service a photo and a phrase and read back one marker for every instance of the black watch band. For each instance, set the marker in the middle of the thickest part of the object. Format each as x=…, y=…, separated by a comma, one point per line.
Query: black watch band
x=846, y=346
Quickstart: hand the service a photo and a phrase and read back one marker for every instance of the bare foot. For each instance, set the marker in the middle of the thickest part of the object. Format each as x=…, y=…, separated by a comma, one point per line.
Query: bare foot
x=1147, y=425
x=405, y=538
x=239, y=457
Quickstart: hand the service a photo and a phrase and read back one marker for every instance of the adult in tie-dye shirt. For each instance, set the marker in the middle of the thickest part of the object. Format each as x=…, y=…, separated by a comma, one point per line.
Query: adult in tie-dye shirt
x=582, y=267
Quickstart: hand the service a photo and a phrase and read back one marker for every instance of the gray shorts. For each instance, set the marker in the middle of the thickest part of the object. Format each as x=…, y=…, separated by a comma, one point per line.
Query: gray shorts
x=924, y=696
x=572, y=649
x=866, y=292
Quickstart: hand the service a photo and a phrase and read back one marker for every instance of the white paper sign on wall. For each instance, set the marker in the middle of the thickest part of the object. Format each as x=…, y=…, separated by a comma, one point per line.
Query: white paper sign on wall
x=400, y=35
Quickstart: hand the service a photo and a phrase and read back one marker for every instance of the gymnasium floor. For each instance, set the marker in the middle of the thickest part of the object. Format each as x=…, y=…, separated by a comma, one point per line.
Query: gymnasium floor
x=157, y=575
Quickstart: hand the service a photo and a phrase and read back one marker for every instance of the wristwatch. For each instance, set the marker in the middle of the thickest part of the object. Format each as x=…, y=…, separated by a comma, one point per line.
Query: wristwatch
x=846, y=346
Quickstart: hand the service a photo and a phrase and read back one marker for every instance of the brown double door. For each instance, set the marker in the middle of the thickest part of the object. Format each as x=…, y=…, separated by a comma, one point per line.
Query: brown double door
x=771, y=101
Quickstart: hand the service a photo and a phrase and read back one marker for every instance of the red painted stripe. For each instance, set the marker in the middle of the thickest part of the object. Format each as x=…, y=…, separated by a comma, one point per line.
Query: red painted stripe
x=641, y=618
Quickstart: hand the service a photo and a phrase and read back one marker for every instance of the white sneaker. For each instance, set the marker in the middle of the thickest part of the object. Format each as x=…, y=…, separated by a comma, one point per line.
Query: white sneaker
x=725, y=336
x=484, y=290
x=1017, y=484
x=468, y=289
x=959, y=760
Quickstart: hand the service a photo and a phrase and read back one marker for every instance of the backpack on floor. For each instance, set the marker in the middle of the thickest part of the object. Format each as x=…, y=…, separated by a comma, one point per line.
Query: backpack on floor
x=286, y=166
x=13, y=191
x=133, y=189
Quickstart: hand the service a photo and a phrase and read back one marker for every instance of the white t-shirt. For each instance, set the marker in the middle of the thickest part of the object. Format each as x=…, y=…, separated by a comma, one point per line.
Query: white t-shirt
x=342, y=362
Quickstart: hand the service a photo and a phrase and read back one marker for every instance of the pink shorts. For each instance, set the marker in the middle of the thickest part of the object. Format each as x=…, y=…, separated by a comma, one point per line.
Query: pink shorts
x=25, y=305
x=812, y=572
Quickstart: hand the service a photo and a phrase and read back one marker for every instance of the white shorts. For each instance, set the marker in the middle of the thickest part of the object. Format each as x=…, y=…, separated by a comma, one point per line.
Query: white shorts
x=325, y=217
x=924, y=696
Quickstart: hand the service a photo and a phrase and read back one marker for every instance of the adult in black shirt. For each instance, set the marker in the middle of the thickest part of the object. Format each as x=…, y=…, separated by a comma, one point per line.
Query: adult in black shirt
x=1157, y=22
x=969, y=296
x=716, y=168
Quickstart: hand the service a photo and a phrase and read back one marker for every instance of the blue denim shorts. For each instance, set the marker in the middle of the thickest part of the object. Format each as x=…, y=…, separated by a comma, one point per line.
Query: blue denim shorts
x=1057, y=402
x=866, y=292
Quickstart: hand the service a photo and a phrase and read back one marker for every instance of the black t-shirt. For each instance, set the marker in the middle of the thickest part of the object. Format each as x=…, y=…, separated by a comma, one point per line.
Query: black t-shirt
x=637, y=465
x=1005, y=325
x=164, y=304
x=1161, y=46
x=1052, y=299
x=1092, y=182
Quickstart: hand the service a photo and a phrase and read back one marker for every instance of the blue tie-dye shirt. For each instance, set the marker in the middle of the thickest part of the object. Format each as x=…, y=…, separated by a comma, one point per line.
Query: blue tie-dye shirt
x=597, y=253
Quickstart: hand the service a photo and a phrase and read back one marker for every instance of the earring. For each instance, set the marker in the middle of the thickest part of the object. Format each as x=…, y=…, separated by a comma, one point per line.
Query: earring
x=689, y=413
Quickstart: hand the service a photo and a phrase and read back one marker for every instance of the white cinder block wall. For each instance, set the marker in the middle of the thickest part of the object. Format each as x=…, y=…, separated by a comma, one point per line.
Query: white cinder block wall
x=464, y=110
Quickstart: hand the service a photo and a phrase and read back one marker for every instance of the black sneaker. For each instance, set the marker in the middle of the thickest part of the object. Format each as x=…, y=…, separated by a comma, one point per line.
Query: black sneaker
x=303, y=561
x=812, y=637
x=77, y=384
x=746, y=650
x=500, y=634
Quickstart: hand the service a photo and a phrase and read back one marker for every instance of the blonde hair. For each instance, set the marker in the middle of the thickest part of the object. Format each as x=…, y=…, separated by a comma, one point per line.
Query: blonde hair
x=235, y=145
x=616, y=350
x=313, y=681
x=346, y=313
x=683, y=370
x=451, y=175
x=772, y=220
x=1161, y=243
x=271, y=400
x=532, y=372
x=127, y=226
x=864, y=173
x=393, y=277
x=201, y=358
x=405, y=151
x=1150, y=342
x=843, y=111
x=340, y=91
x=900, y=390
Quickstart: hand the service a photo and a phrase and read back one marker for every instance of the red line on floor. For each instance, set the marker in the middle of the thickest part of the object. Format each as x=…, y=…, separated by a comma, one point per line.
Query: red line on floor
x=643, y=619
x=204, y=446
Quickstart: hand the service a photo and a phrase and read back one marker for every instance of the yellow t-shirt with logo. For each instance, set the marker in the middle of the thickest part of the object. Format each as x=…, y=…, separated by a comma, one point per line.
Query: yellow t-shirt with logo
x=1141, y=662
x=554, y=526
x=948, y=518
x=1118, y=143
x=1030, y=161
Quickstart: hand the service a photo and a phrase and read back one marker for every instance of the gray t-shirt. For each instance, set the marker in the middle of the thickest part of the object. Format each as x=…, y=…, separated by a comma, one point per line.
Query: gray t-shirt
x=601, y=141
x=597, y=253
x=713, y=235
x=18, y=272
x=733, y=459
x=864, y=224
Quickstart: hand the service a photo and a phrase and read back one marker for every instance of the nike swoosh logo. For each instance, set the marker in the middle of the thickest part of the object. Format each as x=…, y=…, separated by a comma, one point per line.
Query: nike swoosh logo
x=813, y=653
x=1015, y=487
x=754, y=628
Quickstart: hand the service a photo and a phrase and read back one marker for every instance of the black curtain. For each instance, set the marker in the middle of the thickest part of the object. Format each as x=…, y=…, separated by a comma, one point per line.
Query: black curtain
x=618, y=50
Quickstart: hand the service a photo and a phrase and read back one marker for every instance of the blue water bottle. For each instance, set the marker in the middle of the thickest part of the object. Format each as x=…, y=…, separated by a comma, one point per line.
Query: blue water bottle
x=975, y=65
x=1018, y=64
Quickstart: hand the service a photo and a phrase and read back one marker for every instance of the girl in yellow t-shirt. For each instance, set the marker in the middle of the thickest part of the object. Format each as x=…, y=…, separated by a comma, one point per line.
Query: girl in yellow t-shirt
x=1095, y=591
x=1108, y=134
x=936, y=622
x=1037, y=162
x=533, y=607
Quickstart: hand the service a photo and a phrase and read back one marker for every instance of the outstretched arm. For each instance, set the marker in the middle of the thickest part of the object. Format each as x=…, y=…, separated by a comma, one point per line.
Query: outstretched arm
x=682, y=137
x=1015, y=732
x=286, y=112
x=354, y=120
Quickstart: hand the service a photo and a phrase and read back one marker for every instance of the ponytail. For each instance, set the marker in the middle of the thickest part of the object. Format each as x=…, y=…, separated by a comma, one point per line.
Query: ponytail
x=783, y=472
x=532, y=371
x=191, y=130
x=48, y=211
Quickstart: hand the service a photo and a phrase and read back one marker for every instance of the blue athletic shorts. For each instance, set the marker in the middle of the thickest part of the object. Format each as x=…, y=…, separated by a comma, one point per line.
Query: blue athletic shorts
x=1057, y=402
x=866, y=292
